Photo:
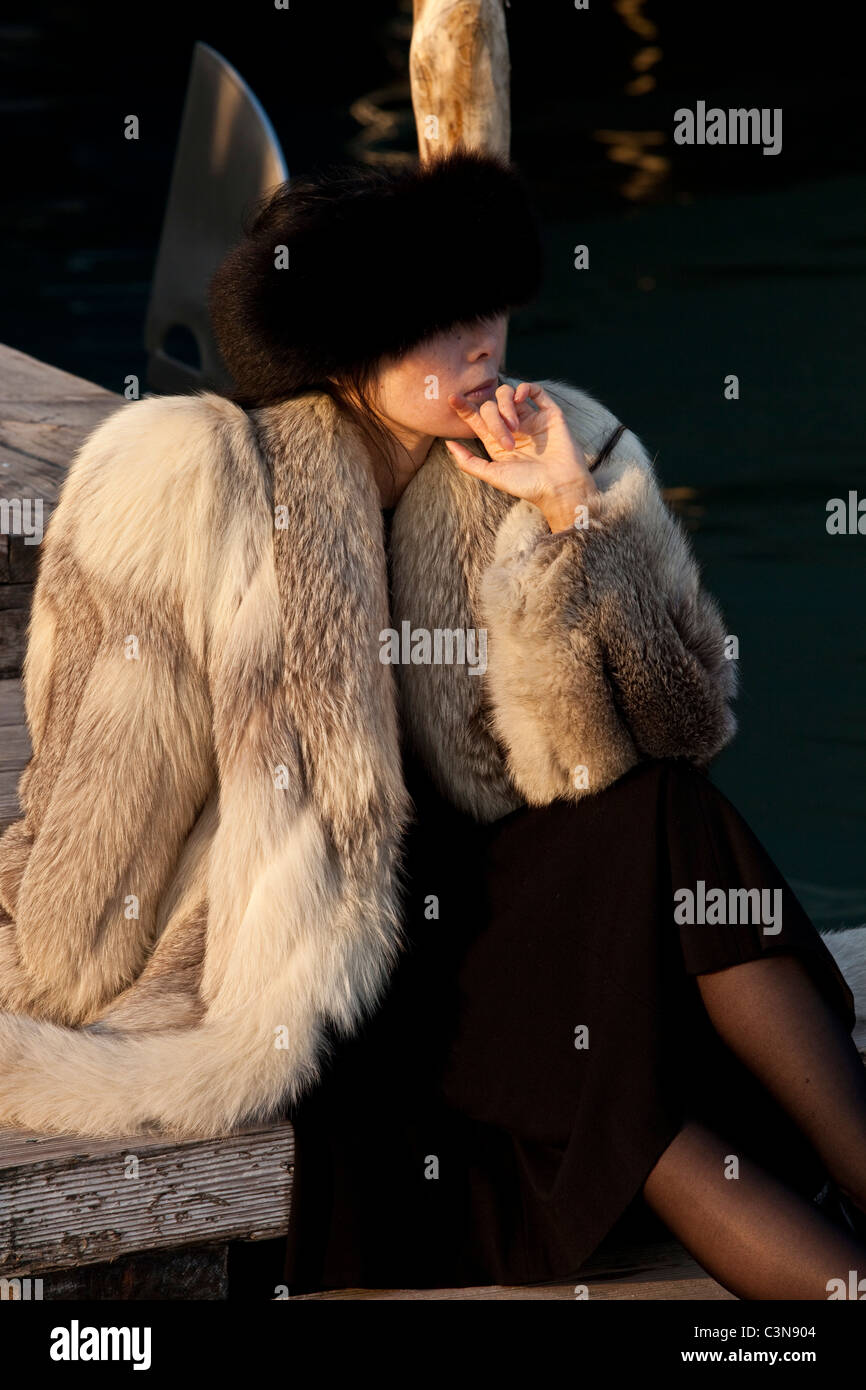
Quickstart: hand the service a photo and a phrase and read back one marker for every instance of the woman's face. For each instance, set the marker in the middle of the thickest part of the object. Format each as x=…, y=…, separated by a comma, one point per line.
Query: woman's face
x=413, y=390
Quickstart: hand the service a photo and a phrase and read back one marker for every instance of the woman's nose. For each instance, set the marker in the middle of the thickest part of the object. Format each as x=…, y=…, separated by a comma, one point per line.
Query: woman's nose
x=487, y=344
x=493, y=332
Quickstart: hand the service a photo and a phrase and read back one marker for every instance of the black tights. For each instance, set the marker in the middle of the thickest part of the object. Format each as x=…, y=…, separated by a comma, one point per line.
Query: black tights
x=755, y=1235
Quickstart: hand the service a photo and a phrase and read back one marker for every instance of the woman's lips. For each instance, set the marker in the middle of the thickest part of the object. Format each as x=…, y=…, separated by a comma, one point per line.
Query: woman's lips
x=480, y=392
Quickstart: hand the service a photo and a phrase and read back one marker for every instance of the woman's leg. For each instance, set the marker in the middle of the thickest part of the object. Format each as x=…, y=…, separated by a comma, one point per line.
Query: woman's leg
x=751, y=1233
x=774, y=1019
x=769, y=1011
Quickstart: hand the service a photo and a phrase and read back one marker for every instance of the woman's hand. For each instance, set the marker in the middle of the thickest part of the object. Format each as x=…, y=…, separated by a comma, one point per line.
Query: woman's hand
x=533, y=454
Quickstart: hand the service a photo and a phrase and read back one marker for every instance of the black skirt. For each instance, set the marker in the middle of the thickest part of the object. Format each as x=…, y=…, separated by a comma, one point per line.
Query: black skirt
x=541, y=1042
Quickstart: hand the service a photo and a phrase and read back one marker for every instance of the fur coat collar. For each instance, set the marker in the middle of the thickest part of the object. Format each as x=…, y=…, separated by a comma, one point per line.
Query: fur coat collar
x=207, y=870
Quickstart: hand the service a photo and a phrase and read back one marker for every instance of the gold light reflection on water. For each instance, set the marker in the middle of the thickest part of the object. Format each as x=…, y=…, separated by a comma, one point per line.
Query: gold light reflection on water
x=686, y=504
x=641, y=62
x=646, y=57
x=638, y=148
x=637, y=21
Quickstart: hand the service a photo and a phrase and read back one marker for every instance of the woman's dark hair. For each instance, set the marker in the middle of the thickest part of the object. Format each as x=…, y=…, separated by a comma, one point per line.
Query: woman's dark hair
x=353, y=394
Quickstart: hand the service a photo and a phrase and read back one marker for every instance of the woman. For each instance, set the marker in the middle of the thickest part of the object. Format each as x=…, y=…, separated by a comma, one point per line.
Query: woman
x=396, y=845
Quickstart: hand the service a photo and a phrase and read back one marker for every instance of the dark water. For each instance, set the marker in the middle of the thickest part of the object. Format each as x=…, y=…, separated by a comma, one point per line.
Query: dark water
x=704, y=261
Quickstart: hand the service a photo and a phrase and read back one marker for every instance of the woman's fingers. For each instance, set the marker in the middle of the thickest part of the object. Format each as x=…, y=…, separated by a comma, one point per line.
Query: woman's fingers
x=469, y=462
x=487, y=423
x=537, y=394
x=540, y=461
x=496, y=422
x=505, y=400
x=459, y=451
x=489, y=412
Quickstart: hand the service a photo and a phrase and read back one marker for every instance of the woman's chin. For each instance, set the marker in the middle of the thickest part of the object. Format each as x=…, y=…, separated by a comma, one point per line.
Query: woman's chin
x=441, y=424
x=452, y=427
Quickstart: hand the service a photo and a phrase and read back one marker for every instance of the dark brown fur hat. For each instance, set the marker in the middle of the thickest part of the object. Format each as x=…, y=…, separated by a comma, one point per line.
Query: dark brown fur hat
x=378, y=260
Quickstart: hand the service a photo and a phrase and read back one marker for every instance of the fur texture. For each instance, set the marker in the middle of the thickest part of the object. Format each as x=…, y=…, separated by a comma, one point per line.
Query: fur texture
x=208, y=868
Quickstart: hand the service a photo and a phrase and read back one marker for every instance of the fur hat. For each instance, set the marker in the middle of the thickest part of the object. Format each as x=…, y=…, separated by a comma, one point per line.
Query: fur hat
x=378, y=260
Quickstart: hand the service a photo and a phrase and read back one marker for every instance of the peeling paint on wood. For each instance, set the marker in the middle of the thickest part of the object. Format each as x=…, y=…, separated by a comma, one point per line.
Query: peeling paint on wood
x=68, y=1202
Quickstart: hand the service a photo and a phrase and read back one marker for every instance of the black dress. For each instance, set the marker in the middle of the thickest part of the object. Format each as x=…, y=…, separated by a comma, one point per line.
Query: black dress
x=542, y=1041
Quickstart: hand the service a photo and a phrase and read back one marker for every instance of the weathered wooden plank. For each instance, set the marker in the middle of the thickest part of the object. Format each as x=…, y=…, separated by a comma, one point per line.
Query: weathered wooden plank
x=9, y=805
x=701, y=1289
x=15, y=604
x=67, y=1202
x=18, y=564
x=45, y=415
x=14, y=748
x=662, y=1270
x=11, y=702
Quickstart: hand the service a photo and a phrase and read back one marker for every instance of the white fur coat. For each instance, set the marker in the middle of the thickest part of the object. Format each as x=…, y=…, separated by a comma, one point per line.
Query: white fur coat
x=207, y=871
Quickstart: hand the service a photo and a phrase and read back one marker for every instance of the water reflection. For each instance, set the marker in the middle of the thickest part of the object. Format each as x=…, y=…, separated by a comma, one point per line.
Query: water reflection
x=635, y=148
x=639, y=149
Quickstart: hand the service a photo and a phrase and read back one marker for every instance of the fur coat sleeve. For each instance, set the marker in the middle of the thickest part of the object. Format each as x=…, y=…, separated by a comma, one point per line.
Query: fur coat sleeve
x=602, y=644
